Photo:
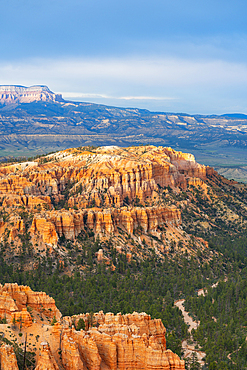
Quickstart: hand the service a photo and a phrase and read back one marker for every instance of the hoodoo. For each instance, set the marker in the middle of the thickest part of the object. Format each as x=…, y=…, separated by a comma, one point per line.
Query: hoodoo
x=107, y=191
x=132, y=341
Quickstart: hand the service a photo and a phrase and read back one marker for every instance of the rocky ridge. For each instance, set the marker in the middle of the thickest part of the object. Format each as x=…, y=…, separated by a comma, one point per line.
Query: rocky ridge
x=35, y=120
x=121, y=194
x=110, y=342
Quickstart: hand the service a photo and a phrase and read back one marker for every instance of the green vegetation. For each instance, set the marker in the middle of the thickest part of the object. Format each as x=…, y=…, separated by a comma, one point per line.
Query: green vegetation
x=222, y=312
x=19, y=352
x=223, y=321
x=80, y=324
x=152, y=284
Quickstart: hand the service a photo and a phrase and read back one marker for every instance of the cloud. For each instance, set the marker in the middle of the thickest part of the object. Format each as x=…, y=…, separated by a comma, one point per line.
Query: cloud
x=146, y=71
x=71, y=95
x=145, y=98
x=154, y=82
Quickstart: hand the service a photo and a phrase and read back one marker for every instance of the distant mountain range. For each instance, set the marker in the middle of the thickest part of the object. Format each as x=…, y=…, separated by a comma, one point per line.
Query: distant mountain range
x=35, y=120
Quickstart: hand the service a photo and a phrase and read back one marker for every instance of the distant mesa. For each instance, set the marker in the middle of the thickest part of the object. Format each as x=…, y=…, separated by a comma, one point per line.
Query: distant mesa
x=12, y=94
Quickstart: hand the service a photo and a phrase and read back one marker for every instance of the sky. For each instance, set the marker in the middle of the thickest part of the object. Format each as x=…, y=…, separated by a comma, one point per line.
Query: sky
x=162, y=55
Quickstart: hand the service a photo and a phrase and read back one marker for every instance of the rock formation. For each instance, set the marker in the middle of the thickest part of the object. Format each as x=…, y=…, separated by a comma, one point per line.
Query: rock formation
x=46, y=360
x=15, y=299
x=131, y=341
x=21, y=94
x=106, y=192
x=7, y=358
x=110, y=342
x=102, y=221
x=21, y=318
x=71, y=358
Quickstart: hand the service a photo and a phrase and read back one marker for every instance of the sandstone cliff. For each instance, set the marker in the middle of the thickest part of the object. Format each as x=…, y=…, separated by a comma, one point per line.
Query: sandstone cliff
x=109, y=342
x=107, y=191
x=119, y=342
x=15, y=299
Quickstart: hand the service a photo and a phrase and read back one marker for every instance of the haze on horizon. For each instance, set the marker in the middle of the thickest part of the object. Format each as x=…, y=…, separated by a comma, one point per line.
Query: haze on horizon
x=163, y=56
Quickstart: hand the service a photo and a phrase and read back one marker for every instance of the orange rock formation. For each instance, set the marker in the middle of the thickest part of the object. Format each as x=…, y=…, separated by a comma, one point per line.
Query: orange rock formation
x=105, y=190
x=131, y=341
x=110, y=342
x=22, y=318
x=46, y=360
x=15, y=299
x=7, y=358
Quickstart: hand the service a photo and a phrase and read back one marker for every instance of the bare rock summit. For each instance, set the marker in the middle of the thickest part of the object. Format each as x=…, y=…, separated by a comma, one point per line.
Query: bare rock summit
x=12, y=94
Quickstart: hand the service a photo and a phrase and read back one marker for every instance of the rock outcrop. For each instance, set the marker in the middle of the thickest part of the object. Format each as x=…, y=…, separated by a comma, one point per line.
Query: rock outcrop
x=106, y=192
x=46, y=360
x=7, y=358
x=109, y=342
x=20, y=94
x=70, y=224
x=71, y=358
x=131, y=341
x=15, y=299
x=21, y=318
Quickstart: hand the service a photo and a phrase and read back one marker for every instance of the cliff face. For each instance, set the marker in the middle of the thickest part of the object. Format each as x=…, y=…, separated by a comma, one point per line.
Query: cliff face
x=102, y=221
x=108, y=191
x=106, y=176
x=131, y=341
x=22, y=94
x=117, y=346
x=120, y=342
x=15, y=299
x=110, y=342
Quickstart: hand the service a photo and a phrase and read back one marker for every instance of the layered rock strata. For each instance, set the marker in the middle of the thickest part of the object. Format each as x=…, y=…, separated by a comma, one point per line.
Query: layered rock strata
x=120, y=342
x=102, y=221
x=104, y=190
x=21, y=94
x=15, y=299
x=109, y=342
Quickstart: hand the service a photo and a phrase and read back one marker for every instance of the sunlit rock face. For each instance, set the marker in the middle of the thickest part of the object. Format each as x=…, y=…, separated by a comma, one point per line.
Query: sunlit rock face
x=106, y=190
x=111, y=342
x=7, y=358
x=46, y=360
x=131, y=341
x=21, y=94
x=14, y=300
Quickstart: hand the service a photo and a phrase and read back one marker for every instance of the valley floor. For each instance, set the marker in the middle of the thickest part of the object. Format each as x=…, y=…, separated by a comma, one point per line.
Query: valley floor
x=188, y=345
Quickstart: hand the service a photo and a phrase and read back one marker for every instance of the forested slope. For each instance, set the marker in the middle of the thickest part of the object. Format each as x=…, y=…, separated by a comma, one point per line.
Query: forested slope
x=143, y=267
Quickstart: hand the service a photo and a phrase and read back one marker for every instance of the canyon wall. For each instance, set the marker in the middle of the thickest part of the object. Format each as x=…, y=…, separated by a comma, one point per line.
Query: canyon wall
x=131, y=341
x=105, y=190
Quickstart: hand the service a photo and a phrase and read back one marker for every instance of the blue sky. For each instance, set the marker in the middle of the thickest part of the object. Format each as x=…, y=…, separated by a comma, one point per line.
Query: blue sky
x=178, y=56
